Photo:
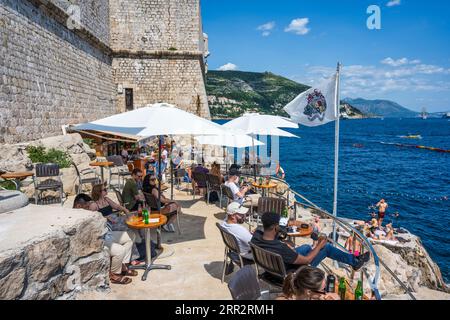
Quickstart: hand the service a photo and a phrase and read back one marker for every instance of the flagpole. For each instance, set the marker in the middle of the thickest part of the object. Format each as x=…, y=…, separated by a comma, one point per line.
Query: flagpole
x=336, y=149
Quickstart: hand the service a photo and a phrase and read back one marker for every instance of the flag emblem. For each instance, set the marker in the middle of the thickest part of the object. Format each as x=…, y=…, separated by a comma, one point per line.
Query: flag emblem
x=316, y=107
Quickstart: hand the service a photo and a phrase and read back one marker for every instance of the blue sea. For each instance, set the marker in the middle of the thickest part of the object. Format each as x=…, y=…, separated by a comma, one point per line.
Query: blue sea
x=414, y=182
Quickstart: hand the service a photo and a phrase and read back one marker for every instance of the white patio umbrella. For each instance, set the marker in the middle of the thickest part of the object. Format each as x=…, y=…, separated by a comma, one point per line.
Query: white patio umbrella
x=156, y=120
x=262, y=124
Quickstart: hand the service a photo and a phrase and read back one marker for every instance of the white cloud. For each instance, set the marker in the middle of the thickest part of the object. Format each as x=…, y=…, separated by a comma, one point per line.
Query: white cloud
x=399, y=62
x=228, y=67
x=266, y=33
x=298, y=26
x=393, y=3
x=266, y=28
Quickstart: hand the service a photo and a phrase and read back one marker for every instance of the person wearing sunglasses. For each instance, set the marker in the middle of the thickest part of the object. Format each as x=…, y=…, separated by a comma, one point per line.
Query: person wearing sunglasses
x=307, y=283
x=130, y=194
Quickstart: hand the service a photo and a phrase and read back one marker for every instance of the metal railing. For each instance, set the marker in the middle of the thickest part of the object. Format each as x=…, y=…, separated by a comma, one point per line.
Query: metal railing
x=365, y=243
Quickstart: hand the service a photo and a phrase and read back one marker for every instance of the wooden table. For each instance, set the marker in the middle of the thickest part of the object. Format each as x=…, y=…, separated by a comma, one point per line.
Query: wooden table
x=17, y=177
x=301, y=232
x=265, y=187
x=136, y=223
x=101, y=165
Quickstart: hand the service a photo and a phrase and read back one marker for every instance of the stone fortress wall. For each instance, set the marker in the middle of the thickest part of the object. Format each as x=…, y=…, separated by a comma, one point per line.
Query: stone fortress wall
x=158, y=52
x=56, y=71
x=51, y=75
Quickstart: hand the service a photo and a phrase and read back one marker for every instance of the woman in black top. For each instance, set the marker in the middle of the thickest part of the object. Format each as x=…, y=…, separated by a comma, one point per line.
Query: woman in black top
x=168, y=207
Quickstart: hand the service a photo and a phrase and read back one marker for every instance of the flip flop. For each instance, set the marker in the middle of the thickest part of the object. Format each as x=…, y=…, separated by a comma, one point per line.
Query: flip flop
x=123, y=280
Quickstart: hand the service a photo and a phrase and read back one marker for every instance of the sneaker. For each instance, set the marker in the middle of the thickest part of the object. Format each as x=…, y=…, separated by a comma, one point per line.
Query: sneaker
x=361, y=260
x=229, y=268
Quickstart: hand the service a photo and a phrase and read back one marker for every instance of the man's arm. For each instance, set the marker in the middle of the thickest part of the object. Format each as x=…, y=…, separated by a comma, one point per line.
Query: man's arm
x=302, y=260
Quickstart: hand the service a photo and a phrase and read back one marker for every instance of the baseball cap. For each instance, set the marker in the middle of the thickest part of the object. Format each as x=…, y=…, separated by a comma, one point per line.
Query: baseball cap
x=236, y=207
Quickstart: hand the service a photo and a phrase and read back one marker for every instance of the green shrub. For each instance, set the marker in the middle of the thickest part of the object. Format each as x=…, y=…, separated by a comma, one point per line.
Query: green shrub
x=89, y=142
x=8, y=185
x=40, y=155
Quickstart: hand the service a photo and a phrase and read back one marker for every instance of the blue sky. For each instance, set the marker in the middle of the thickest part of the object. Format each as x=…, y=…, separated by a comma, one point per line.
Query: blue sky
x=407, y=60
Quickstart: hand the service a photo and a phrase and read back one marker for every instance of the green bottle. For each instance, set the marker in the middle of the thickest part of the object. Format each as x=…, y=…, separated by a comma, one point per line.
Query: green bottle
x=342, y=288
x=359, y=291
x=145, y=216
x=285, y=212
x=260, y=181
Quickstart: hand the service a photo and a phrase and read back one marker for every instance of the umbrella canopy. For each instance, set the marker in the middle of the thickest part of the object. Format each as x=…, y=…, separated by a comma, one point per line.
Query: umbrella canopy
x=235, y=141
x=262, y=124
x=154, y=120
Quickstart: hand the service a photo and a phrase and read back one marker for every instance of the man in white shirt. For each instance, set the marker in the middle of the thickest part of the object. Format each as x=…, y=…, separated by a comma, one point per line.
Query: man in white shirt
x=233, y=223
x=239, y=194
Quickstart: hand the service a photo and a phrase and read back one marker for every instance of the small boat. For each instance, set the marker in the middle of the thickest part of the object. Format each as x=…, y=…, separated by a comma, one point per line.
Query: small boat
x=412, y=136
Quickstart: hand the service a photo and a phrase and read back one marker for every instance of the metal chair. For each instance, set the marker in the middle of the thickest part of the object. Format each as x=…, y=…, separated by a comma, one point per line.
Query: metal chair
x=178, y=176
x=244, y=285
x=232, y=251
x=272, y=264
x=213, y=184
x=53, y=181
x=119, y=197
x=121, y=170
x=153, y=202
x=198, y=178
x=228, y=193
x=86, y=176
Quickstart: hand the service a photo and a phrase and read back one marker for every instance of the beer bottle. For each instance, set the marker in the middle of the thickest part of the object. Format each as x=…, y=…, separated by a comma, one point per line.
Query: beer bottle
x=139, y=210
x=145, y=216
x=331, y=282
x=285, y=212
x=342, y=288
x=359, y=291
x=260, y=181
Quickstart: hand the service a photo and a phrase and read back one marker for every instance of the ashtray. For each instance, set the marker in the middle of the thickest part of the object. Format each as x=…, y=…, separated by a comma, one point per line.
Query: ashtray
x=304, y=226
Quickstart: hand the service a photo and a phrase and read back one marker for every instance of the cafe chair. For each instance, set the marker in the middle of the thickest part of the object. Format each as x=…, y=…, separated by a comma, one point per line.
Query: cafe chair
x=120, y=169
x=153, y=202
x=213, y=184
x=119, y=197
x=269, y=204
x=244, y=285
x=179, y=176
x=199, y=178
x=232, y=251
x=86, y=176
x=51, y=173
x=226, y=191
x=269, y=267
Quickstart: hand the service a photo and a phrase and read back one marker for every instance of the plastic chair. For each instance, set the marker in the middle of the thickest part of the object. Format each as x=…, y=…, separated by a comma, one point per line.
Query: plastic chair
x=121, y=170
x=232, y=251
x=199, y=178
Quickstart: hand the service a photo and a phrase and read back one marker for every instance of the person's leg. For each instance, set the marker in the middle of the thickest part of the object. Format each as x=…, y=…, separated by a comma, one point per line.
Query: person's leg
x=303, y=250
x=117, y=253
x=335, y=254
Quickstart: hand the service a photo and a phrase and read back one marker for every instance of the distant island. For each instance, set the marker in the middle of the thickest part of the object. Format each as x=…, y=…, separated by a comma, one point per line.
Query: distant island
x=233, y=93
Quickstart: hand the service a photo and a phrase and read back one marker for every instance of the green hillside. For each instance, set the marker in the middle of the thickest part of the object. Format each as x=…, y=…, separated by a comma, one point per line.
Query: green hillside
x=232, y=93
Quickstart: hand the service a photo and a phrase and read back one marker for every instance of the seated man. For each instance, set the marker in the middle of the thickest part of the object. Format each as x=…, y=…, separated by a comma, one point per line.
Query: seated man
x=305, y=254
x=130, y=194
x=233, y=223
x=240, y=194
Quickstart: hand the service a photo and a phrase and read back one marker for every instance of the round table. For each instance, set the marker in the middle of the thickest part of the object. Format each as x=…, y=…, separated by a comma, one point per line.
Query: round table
x=136, y=223
x=265, y=187
x=17, y=177
x=301, y=232
x=101, y=165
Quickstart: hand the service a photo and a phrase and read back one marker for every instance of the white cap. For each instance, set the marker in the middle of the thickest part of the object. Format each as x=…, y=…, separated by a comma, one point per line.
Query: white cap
x=236, y=207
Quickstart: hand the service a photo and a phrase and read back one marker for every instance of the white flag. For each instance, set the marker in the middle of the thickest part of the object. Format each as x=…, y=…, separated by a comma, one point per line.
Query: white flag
x=315, y=106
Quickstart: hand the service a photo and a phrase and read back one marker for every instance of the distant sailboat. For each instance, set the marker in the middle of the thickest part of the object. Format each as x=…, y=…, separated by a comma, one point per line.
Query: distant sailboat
x=424, y=114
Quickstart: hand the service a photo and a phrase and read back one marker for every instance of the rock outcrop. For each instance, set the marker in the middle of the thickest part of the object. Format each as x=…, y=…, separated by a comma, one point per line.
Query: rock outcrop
x=15, y=158
x=50, y=252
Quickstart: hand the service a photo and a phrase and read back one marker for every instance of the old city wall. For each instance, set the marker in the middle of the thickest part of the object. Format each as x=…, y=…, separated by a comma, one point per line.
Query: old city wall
x=51, y=74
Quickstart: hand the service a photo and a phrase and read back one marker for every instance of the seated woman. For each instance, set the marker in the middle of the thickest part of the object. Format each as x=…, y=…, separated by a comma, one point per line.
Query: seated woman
x=118, y=243
x=307, y=283
x=168, y=207
x=106, y=207
x=215, y=170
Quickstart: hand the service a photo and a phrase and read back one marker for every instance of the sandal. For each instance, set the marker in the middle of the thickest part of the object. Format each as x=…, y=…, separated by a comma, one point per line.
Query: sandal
x=121, y=280
x=130, y=273
x=137, y=262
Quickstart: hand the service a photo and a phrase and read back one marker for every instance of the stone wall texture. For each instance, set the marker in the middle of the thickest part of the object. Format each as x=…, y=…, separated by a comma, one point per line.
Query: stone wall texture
x=57, y=72
x=64, y=258
x=50, y=75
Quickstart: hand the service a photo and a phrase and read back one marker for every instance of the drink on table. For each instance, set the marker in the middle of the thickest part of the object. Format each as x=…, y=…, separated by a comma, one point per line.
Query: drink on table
x=260, y=181
x=145, y=215
x=331, y=283
x=241, y=180
x=359, y=291
x=285, y=213
x=342, y=288
x=139, y=210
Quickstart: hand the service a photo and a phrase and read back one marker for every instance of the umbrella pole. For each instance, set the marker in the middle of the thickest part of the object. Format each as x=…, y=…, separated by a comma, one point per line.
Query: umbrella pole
x=254, y=158
x=159, y=172
x=171, y=168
